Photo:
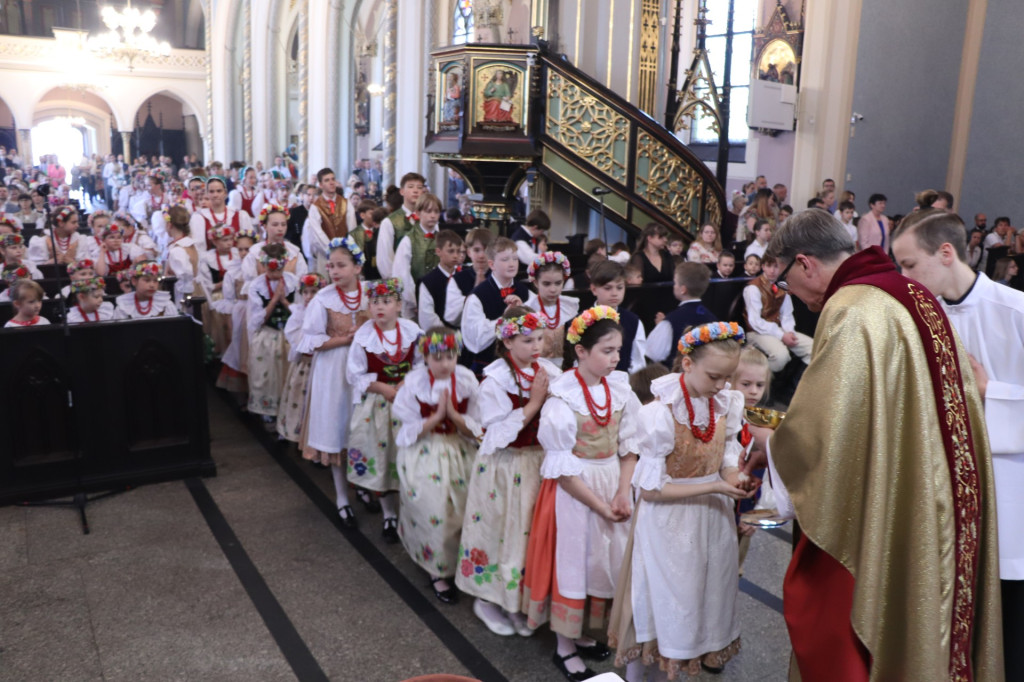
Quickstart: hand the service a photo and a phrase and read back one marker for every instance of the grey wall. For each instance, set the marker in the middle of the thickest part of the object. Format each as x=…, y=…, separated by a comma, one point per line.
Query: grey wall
x=908, y=66
x=995, y=151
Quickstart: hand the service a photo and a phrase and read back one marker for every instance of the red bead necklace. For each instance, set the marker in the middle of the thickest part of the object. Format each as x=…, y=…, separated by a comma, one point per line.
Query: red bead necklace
x=27, y=323
x=351, y=302
x=454, y=395
x=214, y=216
x=397, y=356
x=139, y=308
x=220, y=268
x=270, y=286
x=595, y=412
x=707, y=434
x=523, y=380
x=63, y=243
x=85, y=315
x=553, y=323
x=113, y=262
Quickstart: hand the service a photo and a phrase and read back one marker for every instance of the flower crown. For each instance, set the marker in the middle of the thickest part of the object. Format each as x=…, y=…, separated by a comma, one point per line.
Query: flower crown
x=65, y=213
x=272, y=264
x=436, y=344
x=128, y=218
x=349, y=245
x=220, y=231
x=84, y=264
x=380, y=288
x=166, y=210
x=88, y=284
x=98, y=213
x=11, y=223
x=112, y=228
x=524, y=324
x=586, y=320
x=550, y=257
x=709, y=333
x=247, y=232
x=14, y=239
x=313, y=279
x=271, y=208
x=124, y=276
x=146, y=268
x=14, y=274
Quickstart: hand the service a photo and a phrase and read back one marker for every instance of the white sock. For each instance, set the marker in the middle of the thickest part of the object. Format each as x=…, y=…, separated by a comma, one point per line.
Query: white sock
x=389, y=503
x=565, y=647
x=635, y=671
x=340, y=486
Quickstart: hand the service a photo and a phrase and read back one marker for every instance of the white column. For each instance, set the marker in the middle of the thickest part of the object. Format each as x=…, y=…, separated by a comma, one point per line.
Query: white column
x=261, y=69
x=303, y=91
x=319, y=90
x=411, y=102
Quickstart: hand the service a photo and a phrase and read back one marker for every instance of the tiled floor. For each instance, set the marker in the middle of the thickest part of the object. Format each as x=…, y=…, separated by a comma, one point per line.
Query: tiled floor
x=151, y=593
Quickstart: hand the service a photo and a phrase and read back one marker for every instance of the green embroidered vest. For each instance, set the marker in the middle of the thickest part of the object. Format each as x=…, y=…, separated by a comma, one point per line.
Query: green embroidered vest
x=424, y=255
x=401, y=225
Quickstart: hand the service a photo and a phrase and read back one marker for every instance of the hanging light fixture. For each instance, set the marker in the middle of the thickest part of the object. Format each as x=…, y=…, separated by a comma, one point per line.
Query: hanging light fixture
x=129, y=36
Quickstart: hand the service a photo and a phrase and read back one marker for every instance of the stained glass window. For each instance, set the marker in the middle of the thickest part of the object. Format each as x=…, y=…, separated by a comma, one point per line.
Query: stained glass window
x=462, y=25
x=744, y=17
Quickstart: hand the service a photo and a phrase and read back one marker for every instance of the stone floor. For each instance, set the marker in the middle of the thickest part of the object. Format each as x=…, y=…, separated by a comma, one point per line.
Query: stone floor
x=249, y=576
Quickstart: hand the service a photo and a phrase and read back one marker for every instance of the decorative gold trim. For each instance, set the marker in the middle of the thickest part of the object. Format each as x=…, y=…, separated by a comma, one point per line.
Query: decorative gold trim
x=582, y=123
x=650, y=36
x=611, y=32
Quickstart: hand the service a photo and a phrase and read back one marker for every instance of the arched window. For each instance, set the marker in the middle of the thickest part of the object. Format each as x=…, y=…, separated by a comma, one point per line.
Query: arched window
x=462, y=22
x=744, y=18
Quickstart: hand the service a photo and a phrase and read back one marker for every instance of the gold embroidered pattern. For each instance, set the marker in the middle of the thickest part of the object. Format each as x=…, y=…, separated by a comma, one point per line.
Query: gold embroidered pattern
x=953, y=418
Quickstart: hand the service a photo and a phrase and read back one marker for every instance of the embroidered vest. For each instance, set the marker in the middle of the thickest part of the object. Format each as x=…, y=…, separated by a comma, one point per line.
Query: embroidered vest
x=686, y=315
x=521, y=234
x=424, y=257
x=333, y=224
x=630, y=322
x=594, y=441
x=690, y=458
x=771, y=301
x=527, y=437
x=235, y=226
x=401, y=224
x=247, y=203
x=388, y=372
x=494, y=306
x=446, y=426
x=279, y=317
x=119, y=266
x=436, y=283
x=465, y=279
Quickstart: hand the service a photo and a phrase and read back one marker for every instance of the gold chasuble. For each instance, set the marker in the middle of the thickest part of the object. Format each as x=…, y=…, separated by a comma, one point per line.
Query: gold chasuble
x=885, y=455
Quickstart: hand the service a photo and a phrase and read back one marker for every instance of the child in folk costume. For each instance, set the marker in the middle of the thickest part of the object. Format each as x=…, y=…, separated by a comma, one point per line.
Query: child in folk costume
x=383, y=352
x=274, y=219
x=235, y=361
x=270, y=297
x=291, y=411
x=752, y=378
x=417, y=252
x=81, y=269
x=136, y=237
x=97, y=221
x=506, y=474
x=182, y=255
x=145, y=301
x=27, y=297
x=246, y=197
x=12, y=246
x=217, y=213
x=19, y=273
x=676, y=599
x=114, y=255
x=213, y=266
x=70, y=244
x=331, y=320
x=590, y=433
x=331, y=216
x=438, y=412
x=89, y=304
x=549, y=272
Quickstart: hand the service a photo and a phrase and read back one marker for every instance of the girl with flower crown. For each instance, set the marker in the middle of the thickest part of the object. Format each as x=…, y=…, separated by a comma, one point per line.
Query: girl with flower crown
x=211, y=275
x=291, y=411
x=67, y=244
x=270, y=298
x=114, y=254
x=438, y=413
x=274, y=219
x=549, y=273
x=676, y=598
x=506, y=474
x=589, y=431
x=235, y=361
x=330, y=321
x=89, y=305
x=383, y=352
x=146, y=300
x=182, y=255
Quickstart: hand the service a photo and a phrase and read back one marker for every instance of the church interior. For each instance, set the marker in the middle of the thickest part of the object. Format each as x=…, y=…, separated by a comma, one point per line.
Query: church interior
x=158, y=521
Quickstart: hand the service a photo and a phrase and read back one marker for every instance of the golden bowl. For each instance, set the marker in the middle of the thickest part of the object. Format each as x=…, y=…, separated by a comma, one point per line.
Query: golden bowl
x=762, y=416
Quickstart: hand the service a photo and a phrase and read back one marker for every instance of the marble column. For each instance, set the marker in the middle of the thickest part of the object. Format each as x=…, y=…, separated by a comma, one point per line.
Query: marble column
x=303, y=163
x=126, y=148
x=25, y=144
x=390, y=90
x=208, y=42
x=247, y=81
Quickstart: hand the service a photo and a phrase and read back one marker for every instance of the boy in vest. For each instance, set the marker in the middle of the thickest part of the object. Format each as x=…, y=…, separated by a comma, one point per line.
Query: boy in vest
x=394, y=227
x=527, y=235
x=770, y=319
x=433, y=288
x=608, y=284
x=478, y=240
x=689, y=283
x=489, y=301
x=416, y=254
x=330, y=217
x=370, y=217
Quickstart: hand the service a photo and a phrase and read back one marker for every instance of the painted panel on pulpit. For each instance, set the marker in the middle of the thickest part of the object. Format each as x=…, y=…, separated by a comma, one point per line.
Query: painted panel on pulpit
x=451, y=85
x=499, y=102
x=777, y=63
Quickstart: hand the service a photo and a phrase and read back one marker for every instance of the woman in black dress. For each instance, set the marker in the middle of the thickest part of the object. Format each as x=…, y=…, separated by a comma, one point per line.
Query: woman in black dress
x=652, y=257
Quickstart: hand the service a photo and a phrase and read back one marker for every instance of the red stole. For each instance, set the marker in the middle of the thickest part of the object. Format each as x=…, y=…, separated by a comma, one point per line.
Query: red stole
x=818, y=590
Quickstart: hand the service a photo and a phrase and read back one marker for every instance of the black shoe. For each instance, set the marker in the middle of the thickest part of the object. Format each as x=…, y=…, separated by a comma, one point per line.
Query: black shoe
x=559, y=662
x=449, y=596
x=712, y=671
x=369, y=500
x=593, y=652
x=348, y=517
x=390, y=532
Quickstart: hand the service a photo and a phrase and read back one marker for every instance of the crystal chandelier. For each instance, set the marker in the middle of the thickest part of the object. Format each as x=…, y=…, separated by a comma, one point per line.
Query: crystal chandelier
x=128, y=37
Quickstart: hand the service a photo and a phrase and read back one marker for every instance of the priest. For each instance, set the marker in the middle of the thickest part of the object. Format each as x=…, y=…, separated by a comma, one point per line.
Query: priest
x=885, y=459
